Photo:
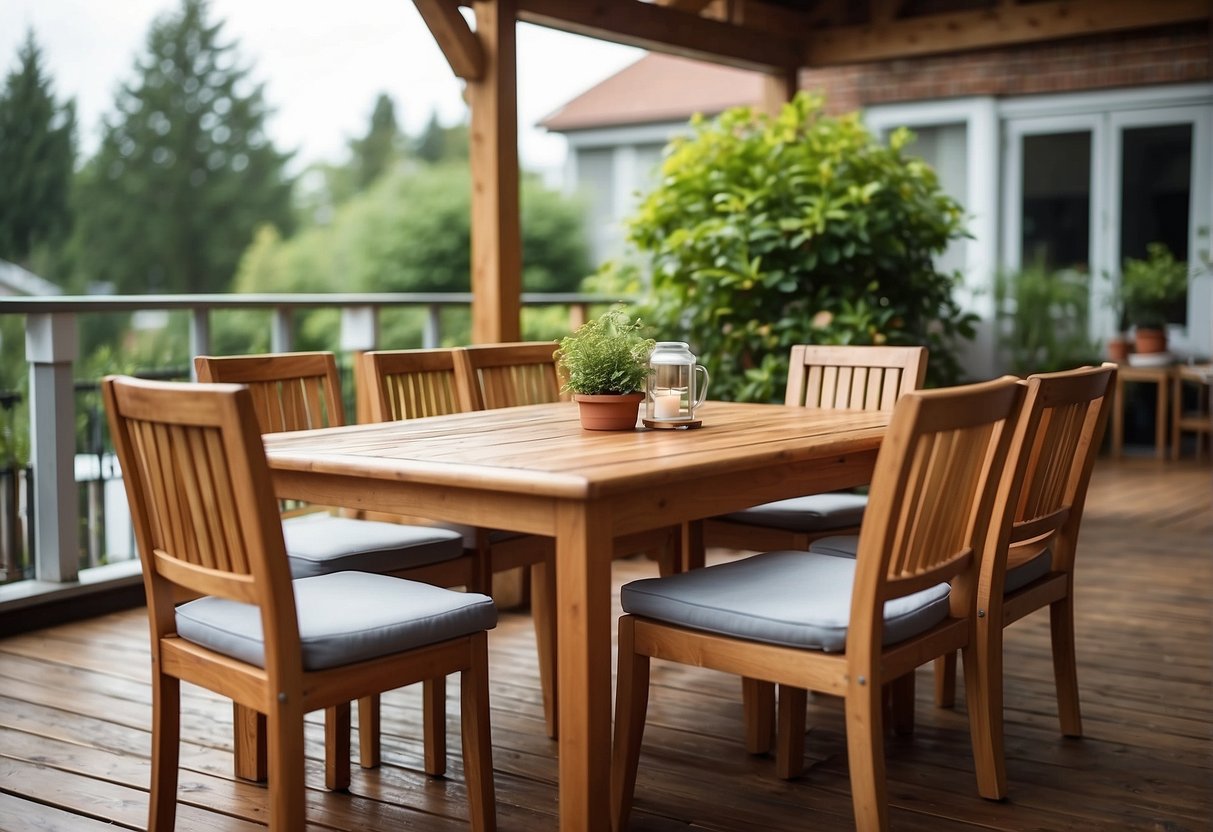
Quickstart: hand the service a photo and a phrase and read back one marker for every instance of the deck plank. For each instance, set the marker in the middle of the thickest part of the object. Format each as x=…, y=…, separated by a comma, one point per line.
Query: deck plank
x=75, y=709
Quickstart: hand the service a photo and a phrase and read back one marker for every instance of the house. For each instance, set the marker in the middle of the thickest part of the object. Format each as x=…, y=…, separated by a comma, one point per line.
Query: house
x=1076, y=153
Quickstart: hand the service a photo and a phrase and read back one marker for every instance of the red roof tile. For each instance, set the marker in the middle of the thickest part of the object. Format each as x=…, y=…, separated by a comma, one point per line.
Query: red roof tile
x=657, y=88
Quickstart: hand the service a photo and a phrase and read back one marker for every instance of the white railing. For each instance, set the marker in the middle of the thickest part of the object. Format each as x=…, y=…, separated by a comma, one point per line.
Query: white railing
x=52, y=349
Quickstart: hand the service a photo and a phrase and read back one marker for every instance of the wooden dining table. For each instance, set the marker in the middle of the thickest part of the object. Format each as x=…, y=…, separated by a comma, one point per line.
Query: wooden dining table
x=533, y=469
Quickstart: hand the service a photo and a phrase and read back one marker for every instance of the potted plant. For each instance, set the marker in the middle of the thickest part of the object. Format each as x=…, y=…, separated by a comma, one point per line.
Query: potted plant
x=1151, y=288
x=605, y=364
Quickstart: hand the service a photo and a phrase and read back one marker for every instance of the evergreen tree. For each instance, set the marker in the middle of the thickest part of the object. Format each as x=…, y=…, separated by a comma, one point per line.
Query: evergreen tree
x=374, y=152
x=442, y=144
x=185, y=172
x=37, y=153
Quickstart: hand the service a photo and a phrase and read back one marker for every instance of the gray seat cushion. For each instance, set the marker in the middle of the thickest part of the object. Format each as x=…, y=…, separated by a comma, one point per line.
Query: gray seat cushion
x=836, y=510
x=344, y=617
x=319, y=543
x=796, y=599
x=845, y=546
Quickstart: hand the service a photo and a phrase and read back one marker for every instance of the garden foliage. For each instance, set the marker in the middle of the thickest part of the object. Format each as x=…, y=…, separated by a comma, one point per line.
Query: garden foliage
x=802, y=228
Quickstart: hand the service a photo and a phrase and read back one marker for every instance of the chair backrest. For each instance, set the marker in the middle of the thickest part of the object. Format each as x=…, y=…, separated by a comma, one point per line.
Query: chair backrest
x=1056, y=441
x=859, y=378
x=508, y=375
x=407, y=384
x=201, y=498
x=290, y=390
x=932, y=499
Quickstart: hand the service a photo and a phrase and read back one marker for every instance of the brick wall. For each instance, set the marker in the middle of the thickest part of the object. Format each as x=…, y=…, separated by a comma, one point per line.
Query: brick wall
x=1162, y=56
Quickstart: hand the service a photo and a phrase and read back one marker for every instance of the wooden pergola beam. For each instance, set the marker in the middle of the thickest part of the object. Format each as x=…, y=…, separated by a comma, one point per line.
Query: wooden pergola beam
x=454, y=37
x=1003, y=25
x=664, y=29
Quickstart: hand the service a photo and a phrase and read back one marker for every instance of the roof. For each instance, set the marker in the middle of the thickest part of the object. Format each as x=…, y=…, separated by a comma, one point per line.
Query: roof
x=657, y=88
x=15, y=280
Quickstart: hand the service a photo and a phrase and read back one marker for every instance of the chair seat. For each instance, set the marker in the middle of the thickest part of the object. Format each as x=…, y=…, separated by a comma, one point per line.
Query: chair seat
x=795, y=599
x=1017, y=577
x=319, y=544
x=836, y=510
x=344, y=617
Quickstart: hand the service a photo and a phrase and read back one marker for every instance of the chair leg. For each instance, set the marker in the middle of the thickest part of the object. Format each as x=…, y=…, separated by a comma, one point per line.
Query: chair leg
x=543, y=616
x=166, y=739
x=789, y=748
x=694, y=550
x=865, y=753
x=983, y=694
x=288, y=799
x=337, y=747
x=1065, y=670
x=758, y=709
x=433, y=721
x=248, y=739
x=631, y=703
x=369, y=752
x=901, y=704
x=477, y=736
x=945, y=680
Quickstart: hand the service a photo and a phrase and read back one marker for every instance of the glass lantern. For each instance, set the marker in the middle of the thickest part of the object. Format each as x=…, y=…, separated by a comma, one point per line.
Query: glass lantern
x=677, y=384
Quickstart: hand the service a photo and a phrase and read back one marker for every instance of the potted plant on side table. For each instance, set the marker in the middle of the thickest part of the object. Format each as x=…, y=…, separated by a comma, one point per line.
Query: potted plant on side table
x=605, y=364
x=1151, y=288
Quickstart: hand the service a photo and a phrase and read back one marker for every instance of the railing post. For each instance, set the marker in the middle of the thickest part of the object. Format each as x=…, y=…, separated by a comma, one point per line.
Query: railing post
x=431, y=334
x=280, y=330
x=50, y=348
x=200, y=336
x=359, y=333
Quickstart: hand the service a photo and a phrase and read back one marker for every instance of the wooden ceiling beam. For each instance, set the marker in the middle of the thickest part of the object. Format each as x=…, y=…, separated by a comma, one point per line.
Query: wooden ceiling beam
x=454, y=37
x=999, y=26
x=688, y=6
x=662, y=29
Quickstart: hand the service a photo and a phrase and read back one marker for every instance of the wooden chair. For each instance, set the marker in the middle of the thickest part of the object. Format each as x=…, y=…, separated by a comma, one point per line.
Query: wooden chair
x=1056, y=441
x=825, y=377
x=297, y=391
x=205, y=519
x=774, y=616
x=508, y=375
x=406, y=384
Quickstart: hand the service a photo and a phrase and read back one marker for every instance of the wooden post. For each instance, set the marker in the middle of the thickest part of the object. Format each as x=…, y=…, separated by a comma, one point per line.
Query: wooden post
x=778, y=88
x=496, y=231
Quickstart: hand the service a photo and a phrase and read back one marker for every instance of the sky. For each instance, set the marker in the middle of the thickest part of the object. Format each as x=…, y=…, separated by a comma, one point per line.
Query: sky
x=323, y=64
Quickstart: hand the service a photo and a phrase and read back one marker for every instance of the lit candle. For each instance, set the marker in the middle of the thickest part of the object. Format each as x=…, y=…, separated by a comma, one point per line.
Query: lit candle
x=666, y=405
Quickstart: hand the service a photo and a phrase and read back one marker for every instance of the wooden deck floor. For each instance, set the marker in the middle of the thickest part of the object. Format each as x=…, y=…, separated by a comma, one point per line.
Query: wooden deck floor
x=75, y=709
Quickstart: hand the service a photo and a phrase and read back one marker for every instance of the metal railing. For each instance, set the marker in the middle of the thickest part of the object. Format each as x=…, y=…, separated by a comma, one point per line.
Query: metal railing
x=57, y=504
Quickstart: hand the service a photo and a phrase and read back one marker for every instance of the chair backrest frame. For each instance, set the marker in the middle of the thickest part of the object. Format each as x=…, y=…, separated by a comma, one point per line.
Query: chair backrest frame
x=509, y=375
x=290, y=390
x=860, y=377
x=202, y=504
x=409, y=384
x=933, y=501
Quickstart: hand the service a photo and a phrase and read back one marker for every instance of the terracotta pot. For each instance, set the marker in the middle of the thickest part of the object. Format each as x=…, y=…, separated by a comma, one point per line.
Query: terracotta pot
x=611, y=412
x=1118, y=349
x=1150, y=340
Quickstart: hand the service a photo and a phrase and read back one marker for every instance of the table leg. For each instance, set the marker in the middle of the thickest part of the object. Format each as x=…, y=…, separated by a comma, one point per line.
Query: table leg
x=1118, y=419
x=583, y=592
x=1160, y=419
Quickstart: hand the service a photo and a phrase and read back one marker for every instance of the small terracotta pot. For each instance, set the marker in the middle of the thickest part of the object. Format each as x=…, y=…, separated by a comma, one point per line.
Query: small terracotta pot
x=1118, y=349
x=610, y=412
x=1150, y=340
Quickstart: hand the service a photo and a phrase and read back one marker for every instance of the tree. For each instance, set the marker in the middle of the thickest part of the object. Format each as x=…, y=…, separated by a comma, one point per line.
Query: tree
x=185, y=172
x=373, y=153
x=37, y=155
x=441, y=144
x=802, y=228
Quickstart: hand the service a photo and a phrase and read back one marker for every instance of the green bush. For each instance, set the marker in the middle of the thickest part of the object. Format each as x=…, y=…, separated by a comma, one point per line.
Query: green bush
x=1042, y=320
x=767, y=232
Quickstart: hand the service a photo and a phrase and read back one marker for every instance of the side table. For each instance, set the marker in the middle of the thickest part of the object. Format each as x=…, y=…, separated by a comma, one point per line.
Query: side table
x=1160, y=376
x=1199, y=421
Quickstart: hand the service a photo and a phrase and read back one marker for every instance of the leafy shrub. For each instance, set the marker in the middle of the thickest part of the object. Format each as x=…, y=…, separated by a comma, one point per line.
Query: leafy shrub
x=1154, y=287
x=767, y=232
x=1042, y=320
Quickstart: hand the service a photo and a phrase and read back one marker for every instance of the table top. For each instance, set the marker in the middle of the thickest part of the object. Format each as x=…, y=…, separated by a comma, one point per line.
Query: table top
x=542, y=449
